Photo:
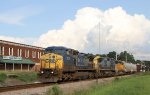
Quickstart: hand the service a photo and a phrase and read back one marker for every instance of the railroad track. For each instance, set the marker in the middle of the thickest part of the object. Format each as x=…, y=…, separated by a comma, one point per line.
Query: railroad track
x=35, y=85
x=19, y=87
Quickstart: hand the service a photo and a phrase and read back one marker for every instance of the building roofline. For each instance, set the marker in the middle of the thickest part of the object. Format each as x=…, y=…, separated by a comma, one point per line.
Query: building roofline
x=20, y=44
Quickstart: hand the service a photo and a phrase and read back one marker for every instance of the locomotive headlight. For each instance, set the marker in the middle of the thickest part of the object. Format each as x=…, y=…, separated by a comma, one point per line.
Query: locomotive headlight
x=42, y=72
x=52, y=72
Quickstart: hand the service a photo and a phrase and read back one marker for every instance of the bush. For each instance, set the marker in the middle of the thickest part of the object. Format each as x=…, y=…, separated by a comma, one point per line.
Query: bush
x=3, y=77
x=55, y=90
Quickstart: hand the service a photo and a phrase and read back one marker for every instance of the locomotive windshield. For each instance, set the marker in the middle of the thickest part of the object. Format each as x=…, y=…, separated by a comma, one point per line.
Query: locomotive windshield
x=55, y=51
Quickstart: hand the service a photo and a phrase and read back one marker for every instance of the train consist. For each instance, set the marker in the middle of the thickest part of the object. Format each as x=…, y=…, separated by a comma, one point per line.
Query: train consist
x=61, y=64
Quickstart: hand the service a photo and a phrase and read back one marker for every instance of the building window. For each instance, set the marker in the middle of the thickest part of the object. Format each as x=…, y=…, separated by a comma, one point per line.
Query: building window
x=1, y=50
x=10, y=51
x=26, y=53
x=33, y=54
x=40, y=54
x=19, y=52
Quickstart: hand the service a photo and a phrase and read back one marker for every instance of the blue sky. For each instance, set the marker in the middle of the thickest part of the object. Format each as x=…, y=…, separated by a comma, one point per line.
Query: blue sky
x=71, y=23
x=32, y=18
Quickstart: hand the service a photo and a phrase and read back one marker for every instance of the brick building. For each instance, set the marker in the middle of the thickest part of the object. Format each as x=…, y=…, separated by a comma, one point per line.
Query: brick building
x=18, y=54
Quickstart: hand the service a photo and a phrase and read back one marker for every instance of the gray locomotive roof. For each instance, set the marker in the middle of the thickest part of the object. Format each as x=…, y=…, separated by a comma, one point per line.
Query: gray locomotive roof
x=58, y=48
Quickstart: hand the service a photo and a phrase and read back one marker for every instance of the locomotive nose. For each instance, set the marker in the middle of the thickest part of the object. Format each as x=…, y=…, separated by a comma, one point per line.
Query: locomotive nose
x=51, y=61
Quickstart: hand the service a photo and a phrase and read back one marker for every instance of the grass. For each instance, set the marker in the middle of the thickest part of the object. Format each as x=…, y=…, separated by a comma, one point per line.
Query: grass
x=2, y=77
x=55, y=90
x=136, y=85
x=27, y=76
x=24, y=76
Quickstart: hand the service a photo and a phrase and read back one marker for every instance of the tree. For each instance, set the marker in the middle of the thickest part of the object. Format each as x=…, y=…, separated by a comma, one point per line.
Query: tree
x=112, y=54
x=138, y=61
x=103, y=55
x=125, y=56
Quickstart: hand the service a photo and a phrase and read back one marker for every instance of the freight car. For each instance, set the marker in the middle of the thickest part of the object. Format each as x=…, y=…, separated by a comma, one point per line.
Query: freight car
x=130, y=67
x=139, y=67
x=61, y=63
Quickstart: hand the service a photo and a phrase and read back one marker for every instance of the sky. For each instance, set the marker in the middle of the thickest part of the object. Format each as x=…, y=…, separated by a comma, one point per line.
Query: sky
x=120, y=24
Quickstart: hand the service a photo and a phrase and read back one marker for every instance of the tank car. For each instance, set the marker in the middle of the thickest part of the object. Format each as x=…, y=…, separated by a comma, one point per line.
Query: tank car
x=130, y=67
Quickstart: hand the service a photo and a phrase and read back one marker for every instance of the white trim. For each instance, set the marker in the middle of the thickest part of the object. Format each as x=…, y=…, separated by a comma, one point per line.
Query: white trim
x=19, y=44
x=12, y=51
x=9, y=51
x=3, y=51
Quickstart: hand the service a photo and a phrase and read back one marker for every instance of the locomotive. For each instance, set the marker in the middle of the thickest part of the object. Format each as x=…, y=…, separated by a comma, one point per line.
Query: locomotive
x=61, y=64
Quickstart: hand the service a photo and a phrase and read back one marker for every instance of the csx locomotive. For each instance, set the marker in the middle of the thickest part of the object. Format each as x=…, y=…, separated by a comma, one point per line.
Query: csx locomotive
x=61, y=64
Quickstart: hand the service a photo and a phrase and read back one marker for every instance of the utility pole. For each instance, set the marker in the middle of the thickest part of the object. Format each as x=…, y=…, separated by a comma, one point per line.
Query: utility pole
x=126, y=56
x=116, y=56
x=99, y=37
x=98, y=50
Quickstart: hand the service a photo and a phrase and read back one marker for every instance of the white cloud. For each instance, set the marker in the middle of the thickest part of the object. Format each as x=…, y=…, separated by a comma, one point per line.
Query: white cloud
x=118, y=31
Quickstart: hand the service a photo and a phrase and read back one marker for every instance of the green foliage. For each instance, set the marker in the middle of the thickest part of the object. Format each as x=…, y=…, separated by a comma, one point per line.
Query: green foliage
x=103, y=55
x=55, y=90
x=147, y=63
x=125, y=56
x=2, y=77
x=27, y=76
x=112, y=54
x=136, y=85
x=138, y=61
